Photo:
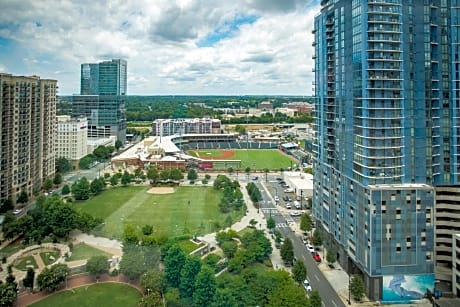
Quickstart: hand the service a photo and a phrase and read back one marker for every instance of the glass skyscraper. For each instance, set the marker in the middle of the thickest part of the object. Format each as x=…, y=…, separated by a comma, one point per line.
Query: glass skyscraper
x=386, y=87
x=102, y=98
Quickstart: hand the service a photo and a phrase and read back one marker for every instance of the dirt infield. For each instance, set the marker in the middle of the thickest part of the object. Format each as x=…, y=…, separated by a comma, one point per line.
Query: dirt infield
x=161, y=190
x=223, y=154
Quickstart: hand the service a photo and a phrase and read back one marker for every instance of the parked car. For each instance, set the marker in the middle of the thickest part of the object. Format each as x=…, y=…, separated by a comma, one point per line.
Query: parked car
x=310, y=247
x=306, y=285
x=297, y=205
x=295, y=213
x=276, y=198
x=288, y=206
x=285, y=198
x=289, y=190
x=255, y=178
x=316, y=256
x=17, y=211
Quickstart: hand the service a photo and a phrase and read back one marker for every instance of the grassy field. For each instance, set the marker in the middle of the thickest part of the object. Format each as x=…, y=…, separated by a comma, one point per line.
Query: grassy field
x=82, y=251
x=187, y=211
x=24, y=262
x=260, y=159
x=103, y=294
x=49, y=257
x=256, y=159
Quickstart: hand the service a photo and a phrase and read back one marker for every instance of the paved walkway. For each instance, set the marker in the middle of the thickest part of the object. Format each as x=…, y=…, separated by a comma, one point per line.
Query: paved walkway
x=251, y=213
x=111, y=246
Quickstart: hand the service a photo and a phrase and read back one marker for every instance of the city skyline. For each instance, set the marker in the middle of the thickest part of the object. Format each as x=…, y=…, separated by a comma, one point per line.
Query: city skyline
x=185, y=47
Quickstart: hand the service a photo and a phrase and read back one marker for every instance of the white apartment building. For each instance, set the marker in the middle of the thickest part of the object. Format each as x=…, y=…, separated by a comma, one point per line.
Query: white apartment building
x=165, y=127
x=72, y=137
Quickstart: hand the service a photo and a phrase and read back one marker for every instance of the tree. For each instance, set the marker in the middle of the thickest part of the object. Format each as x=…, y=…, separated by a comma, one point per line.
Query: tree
x=229, y=248
x=153, y=279
x=173, y=262
x=205, y=287
x=22, y=197
x=125, y=178
x=57, y=180
x=6, y=205
x=287, y=294
x=28, y=281
x=63, y=165
x=153, y=299
x=317, y=239
x=357, y=287
x=287, y=251
x=153, y=175
x=188, y=274
x=47, y=184
x=118, y=144
x=271, y=224
x=97, y=186
x=97, y=265
x=176, y=174
x=51, y=278
x=132, y=263
x=130, y=234
x=240, y=129
x=305, y=222
x=81, y=189
x=114, y=180
x=65, y=190
x=8, y=294
x=299, y=271
x=147, y=230
x=192, y=175
x=247, y=170
x=331, y=255
x=315, y=299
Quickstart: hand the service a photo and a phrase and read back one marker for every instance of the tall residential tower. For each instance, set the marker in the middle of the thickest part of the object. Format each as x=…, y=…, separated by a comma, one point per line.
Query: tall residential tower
x=27, y=139
x=102, y=98
x=387, y=99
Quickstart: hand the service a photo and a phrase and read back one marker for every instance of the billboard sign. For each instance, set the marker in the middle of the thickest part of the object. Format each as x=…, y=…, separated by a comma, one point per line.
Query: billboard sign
x=406, y=288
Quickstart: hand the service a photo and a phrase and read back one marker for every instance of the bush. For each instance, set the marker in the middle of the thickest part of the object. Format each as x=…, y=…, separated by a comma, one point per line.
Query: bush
x=114, y=272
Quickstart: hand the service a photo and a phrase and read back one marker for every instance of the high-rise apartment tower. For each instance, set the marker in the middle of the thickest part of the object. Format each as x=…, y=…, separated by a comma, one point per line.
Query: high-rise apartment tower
x=28, y=122
x=387, y=134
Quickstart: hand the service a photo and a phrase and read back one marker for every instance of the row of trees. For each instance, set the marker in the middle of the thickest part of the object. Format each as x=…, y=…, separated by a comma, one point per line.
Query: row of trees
x=254, y=192
x=155, y=175
x=50, y=219
x=232, y=197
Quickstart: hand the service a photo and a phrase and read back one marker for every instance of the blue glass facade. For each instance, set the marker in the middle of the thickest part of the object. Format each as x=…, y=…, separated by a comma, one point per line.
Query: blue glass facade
x=386, y=130
x=102, y=99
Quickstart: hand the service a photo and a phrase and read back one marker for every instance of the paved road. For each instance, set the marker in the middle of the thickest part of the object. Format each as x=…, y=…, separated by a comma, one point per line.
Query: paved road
x=315, y=276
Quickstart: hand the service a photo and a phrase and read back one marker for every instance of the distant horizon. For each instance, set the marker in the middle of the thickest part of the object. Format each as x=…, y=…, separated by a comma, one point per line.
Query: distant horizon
x=206, y=95
x=191, y=47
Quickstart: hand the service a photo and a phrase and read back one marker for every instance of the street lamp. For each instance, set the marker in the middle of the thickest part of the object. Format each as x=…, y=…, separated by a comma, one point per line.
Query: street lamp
x=349, y=283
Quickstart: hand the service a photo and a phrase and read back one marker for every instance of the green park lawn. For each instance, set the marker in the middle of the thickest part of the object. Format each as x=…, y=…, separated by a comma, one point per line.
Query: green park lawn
x=103, y=294
x=259, y=159
x=81, y=251
x=49, y=257
x=24, y=262
x=189, y=210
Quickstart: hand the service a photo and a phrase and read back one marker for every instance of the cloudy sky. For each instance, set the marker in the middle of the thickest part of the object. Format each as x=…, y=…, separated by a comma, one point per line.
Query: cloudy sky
x=184, y=47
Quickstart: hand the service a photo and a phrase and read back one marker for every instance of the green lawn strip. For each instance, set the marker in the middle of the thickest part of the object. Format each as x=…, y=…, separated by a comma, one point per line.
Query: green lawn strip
x=83, y=251
x=23, y=263
x=188, y=246
x=108, y=201
x=49, y=257
x=12, y=248
x=102, y=294
x=260, y=159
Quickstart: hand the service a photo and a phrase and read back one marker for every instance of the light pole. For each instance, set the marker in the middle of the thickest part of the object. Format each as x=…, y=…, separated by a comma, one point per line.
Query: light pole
x=349, y=283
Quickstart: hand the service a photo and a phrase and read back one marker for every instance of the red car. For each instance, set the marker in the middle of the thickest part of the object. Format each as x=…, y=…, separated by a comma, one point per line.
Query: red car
x=316, y=256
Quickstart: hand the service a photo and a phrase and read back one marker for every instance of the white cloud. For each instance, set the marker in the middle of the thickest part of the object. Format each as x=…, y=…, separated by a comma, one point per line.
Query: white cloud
x=159, y=39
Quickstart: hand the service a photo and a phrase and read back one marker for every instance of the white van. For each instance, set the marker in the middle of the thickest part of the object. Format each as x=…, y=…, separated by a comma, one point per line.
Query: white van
x=297, y=205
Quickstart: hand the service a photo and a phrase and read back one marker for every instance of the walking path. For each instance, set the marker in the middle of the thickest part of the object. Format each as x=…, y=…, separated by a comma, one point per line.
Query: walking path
x=251, y=214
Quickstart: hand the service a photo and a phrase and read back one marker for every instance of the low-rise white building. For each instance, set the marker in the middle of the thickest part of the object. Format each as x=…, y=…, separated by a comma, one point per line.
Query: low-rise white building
x=94, y=143
x=71, y=138
x=302, y=183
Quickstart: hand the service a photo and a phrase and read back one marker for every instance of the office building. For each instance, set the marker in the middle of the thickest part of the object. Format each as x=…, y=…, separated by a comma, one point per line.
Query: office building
x=386, y=109
x=102, y=98
x=165, y=127
x=28, y=120
x=71, y=138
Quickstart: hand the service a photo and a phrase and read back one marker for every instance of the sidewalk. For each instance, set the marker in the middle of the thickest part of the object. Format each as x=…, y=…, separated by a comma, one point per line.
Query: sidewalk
x=251, y=213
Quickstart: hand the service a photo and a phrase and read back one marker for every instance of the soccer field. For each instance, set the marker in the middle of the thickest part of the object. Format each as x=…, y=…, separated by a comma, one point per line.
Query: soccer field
x=188, y=210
